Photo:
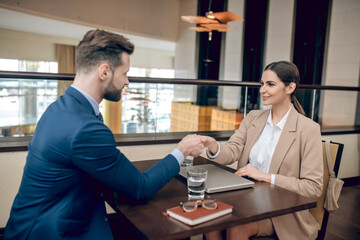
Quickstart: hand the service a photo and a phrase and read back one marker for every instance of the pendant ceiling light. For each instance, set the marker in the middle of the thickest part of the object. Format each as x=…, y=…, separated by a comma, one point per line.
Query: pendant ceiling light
x=212, y=21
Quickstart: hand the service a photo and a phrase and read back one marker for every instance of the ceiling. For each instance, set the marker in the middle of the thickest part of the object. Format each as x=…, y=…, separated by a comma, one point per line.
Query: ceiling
x=18, y=21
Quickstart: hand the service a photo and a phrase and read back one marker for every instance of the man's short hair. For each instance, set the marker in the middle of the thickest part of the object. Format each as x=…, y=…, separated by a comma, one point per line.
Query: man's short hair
x=99, y=46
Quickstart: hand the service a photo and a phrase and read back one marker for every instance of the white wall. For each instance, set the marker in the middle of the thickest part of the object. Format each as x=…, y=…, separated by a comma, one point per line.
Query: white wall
x=229, y=97
x=150, y=18
x=342, y=63
x=185, y=63
x=11, y=169
x=350, y=161
x=36, y=47
x=279, y=31
x=28, y=46
x=233, y=51
x=185, y=54
x=151, y=58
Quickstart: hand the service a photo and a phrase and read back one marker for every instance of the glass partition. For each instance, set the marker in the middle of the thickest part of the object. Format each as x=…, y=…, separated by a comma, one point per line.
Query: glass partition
x=22, y=102
x=156, y=106
x=146, y=108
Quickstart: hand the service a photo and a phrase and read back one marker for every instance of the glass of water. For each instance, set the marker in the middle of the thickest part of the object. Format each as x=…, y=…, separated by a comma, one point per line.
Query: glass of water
x=196, y=179
x=188, y=161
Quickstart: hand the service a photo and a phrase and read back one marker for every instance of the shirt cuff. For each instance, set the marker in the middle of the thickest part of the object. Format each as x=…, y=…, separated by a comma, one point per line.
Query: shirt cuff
x=272, y=178
x=178, y=155
x=211, y=155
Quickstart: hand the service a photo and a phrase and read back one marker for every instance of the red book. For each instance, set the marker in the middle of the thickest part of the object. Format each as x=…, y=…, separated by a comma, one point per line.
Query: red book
x=200, y=215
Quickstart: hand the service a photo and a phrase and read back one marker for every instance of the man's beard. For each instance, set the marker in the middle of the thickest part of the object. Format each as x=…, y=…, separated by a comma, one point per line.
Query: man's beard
x=111, y=92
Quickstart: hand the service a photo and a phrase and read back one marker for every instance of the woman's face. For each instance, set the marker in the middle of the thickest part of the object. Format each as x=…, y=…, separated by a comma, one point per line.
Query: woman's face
x=273, y=90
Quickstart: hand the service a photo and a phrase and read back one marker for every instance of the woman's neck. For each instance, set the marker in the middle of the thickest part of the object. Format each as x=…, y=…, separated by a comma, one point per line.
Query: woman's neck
x=278, y=111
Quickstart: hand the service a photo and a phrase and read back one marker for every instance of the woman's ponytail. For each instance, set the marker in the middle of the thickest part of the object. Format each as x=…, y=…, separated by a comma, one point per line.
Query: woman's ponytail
x=297, y=105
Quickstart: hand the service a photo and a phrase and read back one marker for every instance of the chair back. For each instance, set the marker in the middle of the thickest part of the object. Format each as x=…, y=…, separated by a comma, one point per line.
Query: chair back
x=320, y=213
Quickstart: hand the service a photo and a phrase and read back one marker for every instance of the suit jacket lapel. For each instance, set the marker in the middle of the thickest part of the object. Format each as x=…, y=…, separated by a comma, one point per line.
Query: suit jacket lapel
x=286, y=139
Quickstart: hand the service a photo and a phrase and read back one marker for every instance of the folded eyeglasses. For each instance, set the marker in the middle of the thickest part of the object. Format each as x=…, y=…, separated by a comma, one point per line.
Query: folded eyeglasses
x=192, y=205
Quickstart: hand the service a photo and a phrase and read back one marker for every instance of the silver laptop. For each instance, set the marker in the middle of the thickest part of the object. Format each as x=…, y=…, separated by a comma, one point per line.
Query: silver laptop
x=219, y=180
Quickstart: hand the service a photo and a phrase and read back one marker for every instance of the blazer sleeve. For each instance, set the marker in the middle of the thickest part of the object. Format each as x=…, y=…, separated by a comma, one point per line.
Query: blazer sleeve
x=231, y=151
x=310, y=182
x=94, y=151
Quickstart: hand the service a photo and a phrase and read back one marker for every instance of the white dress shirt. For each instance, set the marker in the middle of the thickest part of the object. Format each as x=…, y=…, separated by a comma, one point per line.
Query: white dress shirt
x=264, y=147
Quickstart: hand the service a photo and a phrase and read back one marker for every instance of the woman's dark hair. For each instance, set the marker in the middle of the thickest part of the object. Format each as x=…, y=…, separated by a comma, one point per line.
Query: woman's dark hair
x=288, y=73
x=100, y=46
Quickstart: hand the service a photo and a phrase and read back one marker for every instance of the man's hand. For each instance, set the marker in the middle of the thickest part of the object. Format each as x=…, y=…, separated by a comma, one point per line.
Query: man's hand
x=252, y=172
x=210, y=143
x=191, y=145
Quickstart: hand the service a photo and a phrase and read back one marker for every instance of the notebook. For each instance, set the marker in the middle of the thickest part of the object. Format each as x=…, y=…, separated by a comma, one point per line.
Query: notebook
x=200, y=215
x=219, y=180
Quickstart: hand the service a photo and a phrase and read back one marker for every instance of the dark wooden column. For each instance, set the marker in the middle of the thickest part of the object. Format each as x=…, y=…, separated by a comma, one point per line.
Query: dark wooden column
x=311, y=24
x=254, y=42
x=209, y=53
x=357, y=117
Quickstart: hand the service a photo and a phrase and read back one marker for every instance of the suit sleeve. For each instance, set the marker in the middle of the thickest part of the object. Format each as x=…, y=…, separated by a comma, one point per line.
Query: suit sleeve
x=94, y=151
x=310, y=182
x=231, y=151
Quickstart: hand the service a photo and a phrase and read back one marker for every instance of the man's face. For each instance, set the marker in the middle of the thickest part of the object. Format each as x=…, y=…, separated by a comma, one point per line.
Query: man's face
x=118, y=80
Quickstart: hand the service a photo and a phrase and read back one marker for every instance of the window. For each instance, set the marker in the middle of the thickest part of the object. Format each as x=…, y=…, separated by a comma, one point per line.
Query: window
x=22, y=102
x=146, y=108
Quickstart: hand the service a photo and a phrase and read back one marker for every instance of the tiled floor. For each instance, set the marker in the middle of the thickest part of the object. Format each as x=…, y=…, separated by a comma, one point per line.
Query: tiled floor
x=344, y=223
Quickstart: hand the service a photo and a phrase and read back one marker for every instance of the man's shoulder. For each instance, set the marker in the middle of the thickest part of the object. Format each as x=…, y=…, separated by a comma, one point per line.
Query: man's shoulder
x=65, y=109
x=64, y=118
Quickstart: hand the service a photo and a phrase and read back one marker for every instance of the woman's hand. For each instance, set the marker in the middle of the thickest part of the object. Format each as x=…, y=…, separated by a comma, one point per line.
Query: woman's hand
x=252, y=172
x=191, y=145
x=210, y=143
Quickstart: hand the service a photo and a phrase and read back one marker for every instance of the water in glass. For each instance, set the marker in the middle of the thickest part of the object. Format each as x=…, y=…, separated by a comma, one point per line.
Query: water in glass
x=196, y=180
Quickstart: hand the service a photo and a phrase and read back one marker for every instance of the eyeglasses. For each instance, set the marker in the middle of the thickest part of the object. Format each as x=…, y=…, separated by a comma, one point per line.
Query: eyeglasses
x=191, y=206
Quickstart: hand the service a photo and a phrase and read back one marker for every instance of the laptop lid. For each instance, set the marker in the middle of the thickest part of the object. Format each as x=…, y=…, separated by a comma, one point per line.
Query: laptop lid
x=219, y=180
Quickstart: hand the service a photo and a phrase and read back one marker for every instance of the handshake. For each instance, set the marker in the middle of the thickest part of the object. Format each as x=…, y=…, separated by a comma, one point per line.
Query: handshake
x=194, y=144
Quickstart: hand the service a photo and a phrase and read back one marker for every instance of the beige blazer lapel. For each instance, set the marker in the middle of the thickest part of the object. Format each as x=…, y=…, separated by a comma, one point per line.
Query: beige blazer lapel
x=252, y=135
x=286, y=139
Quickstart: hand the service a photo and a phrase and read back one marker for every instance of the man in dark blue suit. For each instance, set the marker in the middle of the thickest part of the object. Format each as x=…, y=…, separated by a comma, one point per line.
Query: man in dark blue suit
x=72, y=153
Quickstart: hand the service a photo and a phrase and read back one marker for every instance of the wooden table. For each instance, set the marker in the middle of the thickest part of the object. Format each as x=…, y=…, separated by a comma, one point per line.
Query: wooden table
x=252, y=204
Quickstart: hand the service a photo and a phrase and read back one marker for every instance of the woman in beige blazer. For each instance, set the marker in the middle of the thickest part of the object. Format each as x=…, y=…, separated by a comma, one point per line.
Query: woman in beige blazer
x=280, y=146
